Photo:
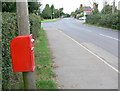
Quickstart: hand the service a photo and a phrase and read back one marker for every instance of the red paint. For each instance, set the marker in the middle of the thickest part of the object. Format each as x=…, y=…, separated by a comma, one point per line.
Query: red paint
x=22, y=53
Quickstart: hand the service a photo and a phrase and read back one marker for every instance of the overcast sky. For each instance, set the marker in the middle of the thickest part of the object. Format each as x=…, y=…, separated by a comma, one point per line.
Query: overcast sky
x=71, y=5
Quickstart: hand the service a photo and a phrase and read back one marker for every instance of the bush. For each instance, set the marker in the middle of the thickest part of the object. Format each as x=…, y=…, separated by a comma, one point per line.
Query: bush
x=109, y=20
x=93, y=19
x=9, y=31
x=35, y=25
x=105, y=20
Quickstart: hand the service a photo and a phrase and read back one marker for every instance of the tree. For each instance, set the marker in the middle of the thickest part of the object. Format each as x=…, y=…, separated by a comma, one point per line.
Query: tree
x=47, y=13
x=107, y=9
x=95, y=7
x=8, y=7
x=11, y=7
x=77, y=11
x=56, y=13
x=34, y=7
x=73, y=14
x=60, y=12
x=81, y=8
x=52, y=10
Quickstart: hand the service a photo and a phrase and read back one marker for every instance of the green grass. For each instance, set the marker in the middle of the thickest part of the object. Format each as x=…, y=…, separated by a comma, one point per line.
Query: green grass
x=49, y=20
x=44, y=72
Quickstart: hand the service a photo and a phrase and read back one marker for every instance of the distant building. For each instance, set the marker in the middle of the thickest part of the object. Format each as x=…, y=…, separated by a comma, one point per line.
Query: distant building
x=87, y=10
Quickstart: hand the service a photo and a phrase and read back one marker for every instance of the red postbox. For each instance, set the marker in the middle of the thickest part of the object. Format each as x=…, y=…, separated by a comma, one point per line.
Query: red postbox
x=22, y=53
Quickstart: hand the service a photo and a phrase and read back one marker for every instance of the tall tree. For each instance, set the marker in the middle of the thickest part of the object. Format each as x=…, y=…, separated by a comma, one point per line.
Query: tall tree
x=47, y=13
x=81, y=8
x=60, y=12
x=73, y=14
x=52, y=10
x=107, y=9
x=77, y=11
x=95, y=7
x=56, y=13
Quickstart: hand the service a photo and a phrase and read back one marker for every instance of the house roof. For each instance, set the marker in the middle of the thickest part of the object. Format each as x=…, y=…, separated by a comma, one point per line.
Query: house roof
x=87, y=8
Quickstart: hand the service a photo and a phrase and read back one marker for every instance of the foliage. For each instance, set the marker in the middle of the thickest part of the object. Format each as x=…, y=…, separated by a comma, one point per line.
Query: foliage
x=118, y=19
x=108, y=9
x=51, y=12
x=93, y=19
x=47, y=13
x=34, y=7
x=35, y=25
x=81, y=8
x=9, y=31
x=73, y=14
x=61, y=11
x=43, y=61
x=8, y=7
x=67, y=15
x=109, y=20
x=105, y=20
x=79, y=12
x=56, y=13
x=95, y=6
x=11, y=7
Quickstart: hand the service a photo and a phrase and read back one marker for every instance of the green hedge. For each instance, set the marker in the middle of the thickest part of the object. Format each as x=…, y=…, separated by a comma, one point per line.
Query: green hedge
x=105, y=20
x=35, y=25
x=9, y=31
x=93, y=19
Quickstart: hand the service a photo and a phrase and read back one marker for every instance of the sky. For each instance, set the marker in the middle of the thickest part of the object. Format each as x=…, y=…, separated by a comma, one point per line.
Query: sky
x=72, y=5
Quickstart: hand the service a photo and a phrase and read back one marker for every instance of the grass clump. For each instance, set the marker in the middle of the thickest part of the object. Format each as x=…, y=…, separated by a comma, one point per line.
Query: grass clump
x=43, y=64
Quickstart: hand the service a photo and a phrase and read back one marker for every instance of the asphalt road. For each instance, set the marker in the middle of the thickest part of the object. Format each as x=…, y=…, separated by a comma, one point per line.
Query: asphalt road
x=84, y=56
x=101, y=41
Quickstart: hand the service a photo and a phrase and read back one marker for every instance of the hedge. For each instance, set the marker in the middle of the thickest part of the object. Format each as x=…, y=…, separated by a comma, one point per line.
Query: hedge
x=105, y=20
x=9, y=31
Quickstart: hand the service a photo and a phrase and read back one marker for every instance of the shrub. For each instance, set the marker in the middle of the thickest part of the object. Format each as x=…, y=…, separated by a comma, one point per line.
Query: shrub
x=105, y=20
x=109, y=20
x=9, y=31
x=35, y=25
x=93, y=19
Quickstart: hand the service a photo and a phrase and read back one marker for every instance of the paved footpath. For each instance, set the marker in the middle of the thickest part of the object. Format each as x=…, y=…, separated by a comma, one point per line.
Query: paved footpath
x=78, y=68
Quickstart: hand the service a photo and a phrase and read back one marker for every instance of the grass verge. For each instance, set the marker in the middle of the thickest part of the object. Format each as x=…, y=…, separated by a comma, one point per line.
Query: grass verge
x=49, y=20
x=43, y=64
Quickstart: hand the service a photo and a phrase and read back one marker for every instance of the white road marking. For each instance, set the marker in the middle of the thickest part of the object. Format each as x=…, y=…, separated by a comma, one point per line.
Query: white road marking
x=108, y=37
x=91, y=52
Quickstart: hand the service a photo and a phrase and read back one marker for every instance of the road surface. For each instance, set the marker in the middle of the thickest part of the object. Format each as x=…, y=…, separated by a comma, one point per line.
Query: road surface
x=95, y=44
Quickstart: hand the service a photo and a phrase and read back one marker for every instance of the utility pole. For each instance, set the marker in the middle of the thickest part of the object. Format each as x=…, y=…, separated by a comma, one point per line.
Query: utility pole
x=24, y=29
x=119, y=5
x=113, y=7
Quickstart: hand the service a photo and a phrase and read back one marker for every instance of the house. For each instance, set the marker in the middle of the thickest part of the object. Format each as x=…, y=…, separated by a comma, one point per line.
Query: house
x=87, y=10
